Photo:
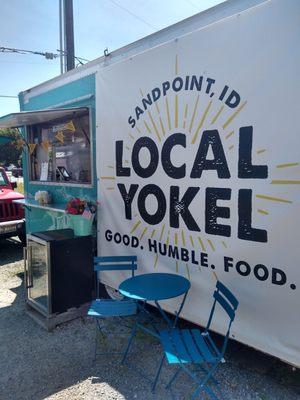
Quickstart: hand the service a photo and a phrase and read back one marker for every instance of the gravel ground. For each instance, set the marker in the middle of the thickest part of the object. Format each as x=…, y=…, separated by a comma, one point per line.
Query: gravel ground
x=36, y=364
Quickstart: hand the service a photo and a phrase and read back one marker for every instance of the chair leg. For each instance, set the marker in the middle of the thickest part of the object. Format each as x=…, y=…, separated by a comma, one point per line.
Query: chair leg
x=203, y=385
x=206, y=372
x=207, y=389
x=98, y=325
x=96, y=345
x=97, y=329
x=133, y=333
x=173, y=378
x=158, y=373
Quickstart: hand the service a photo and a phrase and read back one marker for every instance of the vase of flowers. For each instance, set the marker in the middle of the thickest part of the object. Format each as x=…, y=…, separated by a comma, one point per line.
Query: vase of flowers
x=43, y=197
x=81, y=214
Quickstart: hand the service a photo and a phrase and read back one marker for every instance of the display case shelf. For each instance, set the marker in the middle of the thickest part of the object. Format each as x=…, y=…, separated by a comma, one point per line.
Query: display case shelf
x=55, y=207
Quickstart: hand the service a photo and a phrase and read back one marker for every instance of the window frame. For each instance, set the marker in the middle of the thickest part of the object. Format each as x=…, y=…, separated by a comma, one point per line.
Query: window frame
x=66, y=183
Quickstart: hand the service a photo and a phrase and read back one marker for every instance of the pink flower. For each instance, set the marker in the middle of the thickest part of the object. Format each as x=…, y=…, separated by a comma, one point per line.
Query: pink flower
x=72, y=210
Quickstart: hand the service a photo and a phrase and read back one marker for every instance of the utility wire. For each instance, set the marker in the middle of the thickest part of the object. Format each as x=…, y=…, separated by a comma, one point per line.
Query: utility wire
x=192, y=4
x=10, y=97
x=47, y=55
x=132, y=14
x=79, y=59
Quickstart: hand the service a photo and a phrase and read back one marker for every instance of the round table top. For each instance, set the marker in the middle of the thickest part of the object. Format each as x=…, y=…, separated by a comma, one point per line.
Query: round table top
x=154, y=286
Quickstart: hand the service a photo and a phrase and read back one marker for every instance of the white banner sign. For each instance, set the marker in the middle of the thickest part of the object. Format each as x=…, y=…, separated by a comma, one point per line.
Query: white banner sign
x=198, y=160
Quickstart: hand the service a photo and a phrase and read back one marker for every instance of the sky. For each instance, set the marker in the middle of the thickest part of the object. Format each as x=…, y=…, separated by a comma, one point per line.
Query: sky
x=98, y=24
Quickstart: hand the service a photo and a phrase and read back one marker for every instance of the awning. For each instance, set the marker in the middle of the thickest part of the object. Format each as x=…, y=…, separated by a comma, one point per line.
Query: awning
x=16, y=120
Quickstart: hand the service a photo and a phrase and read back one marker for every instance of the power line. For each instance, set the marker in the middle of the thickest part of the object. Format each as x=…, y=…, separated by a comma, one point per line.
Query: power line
x=47, y=55
x=192, y=4
x=79, y=59
x=132, y=14
x=10, y=97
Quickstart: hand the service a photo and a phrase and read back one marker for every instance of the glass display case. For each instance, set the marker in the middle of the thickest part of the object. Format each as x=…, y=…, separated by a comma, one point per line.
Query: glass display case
x=58, y=271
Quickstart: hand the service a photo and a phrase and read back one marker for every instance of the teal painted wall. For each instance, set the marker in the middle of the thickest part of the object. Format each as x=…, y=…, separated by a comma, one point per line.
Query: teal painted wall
x=42, y=220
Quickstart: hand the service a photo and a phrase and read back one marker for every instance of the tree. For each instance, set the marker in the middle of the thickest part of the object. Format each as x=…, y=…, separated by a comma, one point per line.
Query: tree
x=9, y=153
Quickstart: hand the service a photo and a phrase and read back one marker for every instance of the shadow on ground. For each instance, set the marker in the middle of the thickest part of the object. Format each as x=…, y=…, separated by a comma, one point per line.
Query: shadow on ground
x=36, y=364
x=11, y=251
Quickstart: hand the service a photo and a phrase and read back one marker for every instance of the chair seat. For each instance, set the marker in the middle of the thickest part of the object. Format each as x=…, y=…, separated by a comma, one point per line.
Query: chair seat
x=112, y=308
x=188, y=346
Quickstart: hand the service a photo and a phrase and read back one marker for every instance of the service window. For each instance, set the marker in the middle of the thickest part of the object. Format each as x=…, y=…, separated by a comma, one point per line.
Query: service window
x=60, y=150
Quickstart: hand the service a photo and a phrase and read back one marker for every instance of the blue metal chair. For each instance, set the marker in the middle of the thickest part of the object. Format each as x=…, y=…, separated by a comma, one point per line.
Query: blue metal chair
x=108, y=308
x=191, y=346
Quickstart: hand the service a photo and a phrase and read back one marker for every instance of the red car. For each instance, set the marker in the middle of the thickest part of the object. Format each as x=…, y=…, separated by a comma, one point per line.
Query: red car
x=12, y=222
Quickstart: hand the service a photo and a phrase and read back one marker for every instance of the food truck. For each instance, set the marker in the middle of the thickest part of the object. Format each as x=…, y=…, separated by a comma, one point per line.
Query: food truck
x=188, y=141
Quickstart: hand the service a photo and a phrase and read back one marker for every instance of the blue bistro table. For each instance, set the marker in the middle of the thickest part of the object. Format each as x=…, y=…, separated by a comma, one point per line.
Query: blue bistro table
x=155, y=287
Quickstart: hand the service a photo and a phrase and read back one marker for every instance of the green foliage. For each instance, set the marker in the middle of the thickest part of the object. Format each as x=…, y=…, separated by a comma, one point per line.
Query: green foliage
x=20, y=187
x=9, y=154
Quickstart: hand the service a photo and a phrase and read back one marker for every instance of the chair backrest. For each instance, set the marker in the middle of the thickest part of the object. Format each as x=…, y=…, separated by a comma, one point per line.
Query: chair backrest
x=114, y=263
x=229, y=303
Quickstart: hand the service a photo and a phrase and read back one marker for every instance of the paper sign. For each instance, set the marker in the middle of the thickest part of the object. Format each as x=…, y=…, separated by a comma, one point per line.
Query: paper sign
x=64, y=127
x=19, y=143
x=31, y=147
x=44, y=171
x=60, y=137
x=45, y=145
x=70, y=126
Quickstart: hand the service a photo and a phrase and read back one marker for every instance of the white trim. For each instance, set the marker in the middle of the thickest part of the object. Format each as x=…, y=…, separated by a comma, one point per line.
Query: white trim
x=49, y=206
